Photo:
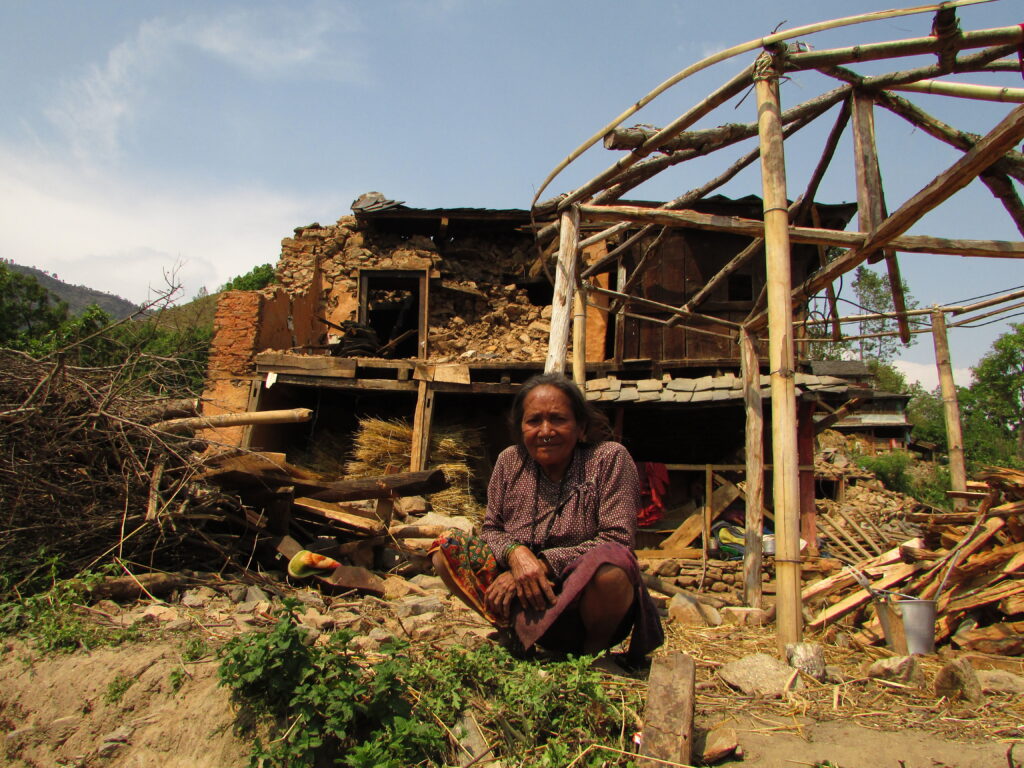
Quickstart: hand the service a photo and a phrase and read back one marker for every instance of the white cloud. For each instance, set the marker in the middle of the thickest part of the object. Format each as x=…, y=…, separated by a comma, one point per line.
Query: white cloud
x=117, y=237
x=927, y=375
x=94, y=110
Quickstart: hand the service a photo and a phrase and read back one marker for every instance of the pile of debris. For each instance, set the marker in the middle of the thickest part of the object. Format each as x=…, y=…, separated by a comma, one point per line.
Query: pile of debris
x=969, y=563
x=477, y=312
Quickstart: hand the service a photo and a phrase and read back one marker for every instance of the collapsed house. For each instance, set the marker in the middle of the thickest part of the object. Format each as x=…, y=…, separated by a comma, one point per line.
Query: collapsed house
x=436, y=316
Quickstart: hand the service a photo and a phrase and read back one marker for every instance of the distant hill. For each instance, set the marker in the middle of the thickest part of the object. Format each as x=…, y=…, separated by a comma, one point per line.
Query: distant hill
x=78, y=297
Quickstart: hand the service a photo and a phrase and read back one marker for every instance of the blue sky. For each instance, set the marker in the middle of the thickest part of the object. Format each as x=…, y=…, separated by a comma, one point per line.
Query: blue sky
x=140, y=139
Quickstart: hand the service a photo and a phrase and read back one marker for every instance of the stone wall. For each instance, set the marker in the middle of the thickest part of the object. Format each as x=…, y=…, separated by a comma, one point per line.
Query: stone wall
x=476, y=313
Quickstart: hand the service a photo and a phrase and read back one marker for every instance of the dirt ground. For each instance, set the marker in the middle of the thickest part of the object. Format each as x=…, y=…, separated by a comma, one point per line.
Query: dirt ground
x=59, y=709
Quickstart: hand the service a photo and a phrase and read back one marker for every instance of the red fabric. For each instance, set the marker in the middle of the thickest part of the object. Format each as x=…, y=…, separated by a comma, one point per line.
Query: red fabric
x=653, y=485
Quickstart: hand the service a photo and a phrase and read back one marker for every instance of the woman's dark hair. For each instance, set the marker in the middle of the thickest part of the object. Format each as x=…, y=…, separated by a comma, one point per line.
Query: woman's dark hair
x=593, y=422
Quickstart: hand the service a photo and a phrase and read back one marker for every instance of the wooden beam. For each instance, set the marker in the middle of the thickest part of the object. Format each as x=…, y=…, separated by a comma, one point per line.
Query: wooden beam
x=337, y=514
x=951, y=408
x=565, y=283
x=1012, y=163
x=422, y=420
x=290, y=416
x=754, y=435
x=871, y=208
x=780, y=353
x=668, y=711
x=754, y=228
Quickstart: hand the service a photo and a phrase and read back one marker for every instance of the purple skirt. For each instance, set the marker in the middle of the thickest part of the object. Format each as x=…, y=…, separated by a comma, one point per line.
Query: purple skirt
x=560, y=628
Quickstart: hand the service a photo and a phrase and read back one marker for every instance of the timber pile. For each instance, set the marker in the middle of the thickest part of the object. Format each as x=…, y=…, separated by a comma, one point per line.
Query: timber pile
x=349, y=520
x=971, y=563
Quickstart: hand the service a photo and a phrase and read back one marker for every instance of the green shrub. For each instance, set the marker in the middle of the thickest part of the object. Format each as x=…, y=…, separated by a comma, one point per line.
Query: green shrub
x=327, y=701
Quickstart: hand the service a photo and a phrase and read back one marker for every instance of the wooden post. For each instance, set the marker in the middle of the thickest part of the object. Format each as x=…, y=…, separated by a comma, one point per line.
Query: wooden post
x=579, y=338
x=668, y=711
x=620, y=315
x=805, y=452
x=871, y=198
x=421, y=422
x=709, y=492
x=754, y=517
x=565, y=283
x=780, y=355
x=954, y=432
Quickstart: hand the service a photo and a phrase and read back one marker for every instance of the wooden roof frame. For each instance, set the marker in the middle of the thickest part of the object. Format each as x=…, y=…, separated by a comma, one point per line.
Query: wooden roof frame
x=991, y=158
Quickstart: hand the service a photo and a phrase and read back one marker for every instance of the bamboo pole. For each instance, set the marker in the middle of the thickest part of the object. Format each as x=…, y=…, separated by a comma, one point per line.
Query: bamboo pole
x=579, y=337
x=954, y=432
x=565, y=280
x=830, y=291
x=898, y=48
x=728, y=53
x=1010, y=249
x=289, y=416
x=781, y=357
x=964, y=91
x=750, y=370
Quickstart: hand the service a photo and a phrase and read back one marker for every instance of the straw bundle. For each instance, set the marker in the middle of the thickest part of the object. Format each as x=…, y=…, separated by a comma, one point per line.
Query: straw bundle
x=382, y=444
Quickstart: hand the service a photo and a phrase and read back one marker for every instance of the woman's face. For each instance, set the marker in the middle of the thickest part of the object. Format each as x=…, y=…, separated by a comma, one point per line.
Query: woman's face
x=550, y=430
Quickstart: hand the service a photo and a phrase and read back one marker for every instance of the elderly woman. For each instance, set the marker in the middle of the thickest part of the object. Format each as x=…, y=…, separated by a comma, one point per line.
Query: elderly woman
x=554, y=560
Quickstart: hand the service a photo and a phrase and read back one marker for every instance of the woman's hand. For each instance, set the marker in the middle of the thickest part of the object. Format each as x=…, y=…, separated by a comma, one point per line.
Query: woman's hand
x=498, y=596
x=532, y=579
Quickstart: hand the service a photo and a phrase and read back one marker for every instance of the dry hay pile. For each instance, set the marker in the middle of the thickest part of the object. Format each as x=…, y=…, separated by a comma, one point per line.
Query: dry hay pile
x=79, y=471
x=383, y=446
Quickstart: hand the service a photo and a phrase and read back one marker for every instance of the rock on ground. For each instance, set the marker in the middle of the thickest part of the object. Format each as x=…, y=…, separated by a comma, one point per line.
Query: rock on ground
x=760, y=675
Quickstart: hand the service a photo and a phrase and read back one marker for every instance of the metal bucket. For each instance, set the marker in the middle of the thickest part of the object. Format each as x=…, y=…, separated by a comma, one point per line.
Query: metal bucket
x=918, y=624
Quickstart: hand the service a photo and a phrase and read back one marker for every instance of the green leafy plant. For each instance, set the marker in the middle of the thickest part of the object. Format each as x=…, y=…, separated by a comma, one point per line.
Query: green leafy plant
x=177, y=678
x=116, y=688
x=326, y=700
x=50, y=613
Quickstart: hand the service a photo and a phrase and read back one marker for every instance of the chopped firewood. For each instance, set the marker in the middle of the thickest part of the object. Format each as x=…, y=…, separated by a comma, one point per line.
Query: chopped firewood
x=1005, y=638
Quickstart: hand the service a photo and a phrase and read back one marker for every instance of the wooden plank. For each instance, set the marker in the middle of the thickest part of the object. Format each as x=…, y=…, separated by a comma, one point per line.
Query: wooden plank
x=668, y=711
x=337, y=514
x=317, y=365
x=691, y=528
x=384, y=486
x=422, y=419
x=894, y=575
x=682, y=553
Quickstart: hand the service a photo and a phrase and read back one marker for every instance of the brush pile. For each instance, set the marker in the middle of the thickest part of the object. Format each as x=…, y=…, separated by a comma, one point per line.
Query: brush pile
x=82, y=476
